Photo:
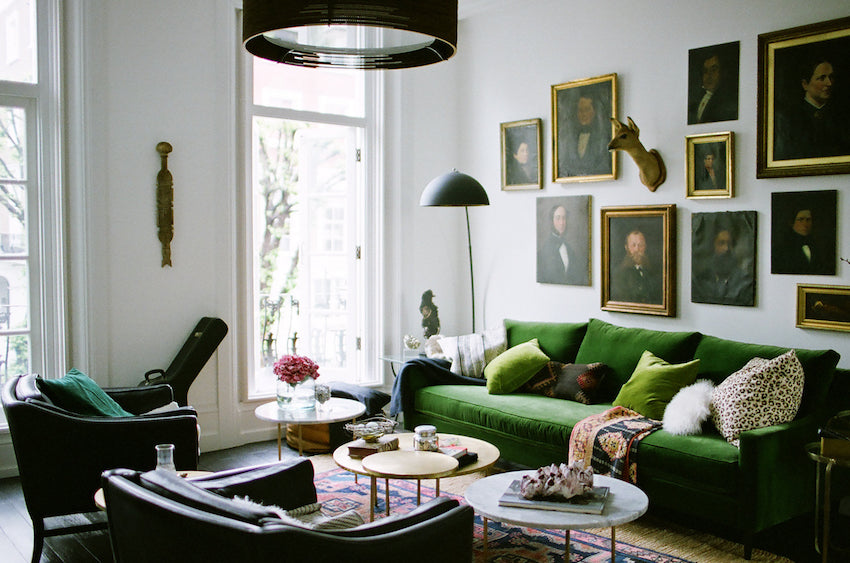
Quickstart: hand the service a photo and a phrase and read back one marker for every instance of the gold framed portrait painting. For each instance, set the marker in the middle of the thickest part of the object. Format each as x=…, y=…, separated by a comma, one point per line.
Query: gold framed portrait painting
x=522, y=167
x=582, y=128
x=825, y=307
x=710, y=166
x=639, y=259
x=803, y=110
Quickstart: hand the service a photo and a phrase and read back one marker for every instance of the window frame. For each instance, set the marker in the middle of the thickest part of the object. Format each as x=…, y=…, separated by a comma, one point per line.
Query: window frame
x=369, y=224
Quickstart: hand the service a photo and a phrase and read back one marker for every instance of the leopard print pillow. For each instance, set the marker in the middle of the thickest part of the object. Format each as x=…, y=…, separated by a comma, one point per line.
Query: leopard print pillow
x=762, y=393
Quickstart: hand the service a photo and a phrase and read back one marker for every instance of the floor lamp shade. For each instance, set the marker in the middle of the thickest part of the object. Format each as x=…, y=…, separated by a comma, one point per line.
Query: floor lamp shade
x=455, y=189
x=364, y=34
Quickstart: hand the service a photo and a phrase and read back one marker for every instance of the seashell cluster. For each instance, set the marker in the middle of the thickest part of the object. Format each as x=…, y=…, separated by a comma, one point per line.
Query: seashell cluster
x=557, y=480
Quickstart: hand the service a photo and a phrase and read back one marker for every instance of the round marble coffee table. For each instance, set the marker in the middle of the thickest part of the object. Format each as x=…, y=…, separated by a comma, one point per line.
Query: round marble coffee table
x=335, y=410
x=625, y=503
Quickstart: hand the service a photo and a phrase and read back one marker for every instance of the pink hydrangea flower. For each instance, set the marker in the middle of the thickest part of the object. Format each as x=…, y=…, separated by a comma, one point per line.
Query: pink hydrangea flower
x=295, y=369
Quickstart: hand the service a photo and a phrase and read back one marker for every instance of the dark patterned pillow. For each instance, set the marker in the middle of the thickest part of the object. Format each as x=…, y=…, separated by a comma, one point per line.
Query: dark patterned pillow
x=574, y=382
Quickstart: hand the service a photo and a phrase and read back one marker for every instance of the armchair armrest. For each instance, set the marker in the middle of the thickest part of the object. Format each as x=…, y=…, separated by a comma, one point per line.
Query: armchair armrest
x=422, y=513
x=284, y=484
x=139, y=400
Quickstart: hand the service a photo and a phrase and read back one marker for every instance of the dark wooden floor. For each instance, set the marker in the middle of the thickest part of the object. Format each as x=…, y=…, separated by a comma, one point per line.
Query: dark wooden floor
x=793, y=540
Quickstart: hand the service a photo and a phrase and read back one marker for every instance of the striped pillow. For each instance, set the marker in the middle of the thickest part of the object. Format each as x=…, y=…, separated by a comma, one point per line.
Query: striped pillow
x=471, y=353
x=308, y=516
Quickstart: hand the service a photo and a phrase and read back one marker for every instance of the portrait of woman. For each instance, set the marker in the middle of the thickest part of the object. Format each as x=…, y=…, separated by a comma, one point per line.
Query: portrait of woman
x=521, y=166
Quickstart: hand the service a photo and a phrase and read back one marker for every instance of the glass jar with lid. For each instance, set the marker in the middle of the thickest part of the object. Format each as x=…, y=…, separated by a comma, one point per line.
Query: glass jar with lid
x=425, y=438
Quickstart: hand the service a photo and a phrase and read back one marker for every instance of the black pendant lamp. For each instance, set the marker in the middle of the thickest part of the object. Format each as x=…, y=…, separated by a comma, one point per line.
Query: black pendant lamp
x=363, y=34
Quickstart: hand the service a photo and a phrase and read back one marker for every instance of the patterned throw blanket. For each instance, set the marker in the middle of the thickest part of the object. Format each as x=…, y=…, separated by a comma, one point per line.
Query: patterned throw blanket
x=608, y=442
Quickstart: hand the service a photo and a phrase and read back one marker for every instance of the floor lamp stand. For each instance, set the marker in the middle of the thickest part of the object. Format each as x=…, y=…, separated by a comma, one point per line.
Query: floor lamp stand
x=471, y=278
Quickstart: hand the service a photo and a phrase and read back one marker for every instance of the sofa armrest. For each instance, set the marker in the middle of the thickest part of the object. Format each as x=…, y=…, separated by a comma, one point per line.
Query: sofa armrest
x=777, y=475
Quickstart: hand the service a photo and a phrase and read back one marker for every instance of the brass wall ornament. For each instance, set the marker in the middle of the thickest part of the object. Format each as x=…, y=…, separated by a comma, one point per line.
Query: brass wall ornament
x=164, y=203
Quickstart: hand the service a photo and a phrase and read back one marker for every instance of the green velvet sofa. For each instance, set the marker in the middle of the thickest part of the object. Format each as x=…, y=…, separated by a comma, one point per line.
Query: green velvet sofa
x=702, y=478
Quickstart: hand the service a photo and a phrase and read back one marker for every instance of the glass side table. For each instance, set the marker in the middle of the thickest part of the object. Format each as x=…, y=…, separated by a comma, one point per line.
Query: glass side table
x=822, y=504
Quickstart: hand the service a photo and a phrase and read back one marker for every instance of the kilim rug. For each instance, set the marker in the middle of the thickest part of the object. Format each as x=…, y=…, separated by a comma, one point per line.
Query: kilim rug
x=338, y=492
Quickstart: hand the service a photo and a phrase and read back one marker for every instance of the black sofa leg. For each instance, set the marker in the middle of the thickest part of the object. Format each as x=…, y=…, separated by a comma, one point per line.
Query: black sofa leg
x=37, y=539
x=748, y=547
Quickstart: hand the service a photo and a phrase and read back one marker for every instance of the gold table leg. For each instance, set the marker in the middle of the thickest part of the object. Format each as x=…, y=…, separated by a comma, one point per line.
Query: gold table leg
x=300, y=452
x=387, y=494
x=486, y=526
x=437, y=493
x=373, y=497
x=278, y=441
x=613, y=544
x=567, y=544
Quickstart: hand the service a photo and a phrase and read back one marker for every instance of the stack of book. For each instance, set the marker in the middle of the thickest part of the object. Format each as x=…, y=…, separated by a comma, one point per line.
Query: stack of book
x=360, y=448
x=461, y=454
x=592, y=502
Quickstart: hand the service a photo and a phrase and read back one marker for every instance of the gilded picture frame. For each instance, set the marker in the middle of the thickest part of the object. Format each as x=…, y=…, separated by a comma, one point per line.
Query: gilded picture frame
x=802, y=122
x=639, y=259
x=823, y=307
x=710, y=165
x=582, y=128
x=522, y=155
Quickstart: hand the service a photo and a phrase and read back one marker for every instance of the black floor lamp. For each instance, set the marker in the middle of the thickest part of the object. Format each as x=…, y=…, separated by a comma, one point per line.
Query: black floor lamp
x=455, y=189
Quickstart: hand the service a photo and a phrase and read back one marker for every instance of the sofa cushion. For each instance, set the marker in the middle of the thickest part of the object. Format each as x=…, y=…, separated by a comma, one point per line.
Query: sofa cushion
x=510, y=369
x=559, y=341
x=621, y=348
x=762, y=393
x=654, y=383
x=78, y=393
x=470, y=353
x=720, y=357
x=573, y=382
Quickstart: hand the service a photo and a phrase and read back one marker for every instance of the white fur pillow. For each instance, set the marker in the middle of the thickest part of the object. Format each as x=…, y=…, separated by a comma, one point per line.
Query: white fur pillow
x=689, y=408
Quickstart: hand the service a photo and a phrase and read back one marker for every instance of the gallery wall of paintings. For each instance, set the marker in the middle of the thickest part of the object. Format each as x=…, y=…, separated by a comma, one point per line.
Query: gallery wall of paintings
x=803, y=129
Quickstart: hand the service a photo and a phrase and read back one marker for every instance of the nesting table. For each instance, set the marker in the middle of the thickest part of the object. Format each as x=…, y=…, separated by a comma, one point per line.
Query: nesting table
x=625, y=503
x=335, y=410
x=405, y=463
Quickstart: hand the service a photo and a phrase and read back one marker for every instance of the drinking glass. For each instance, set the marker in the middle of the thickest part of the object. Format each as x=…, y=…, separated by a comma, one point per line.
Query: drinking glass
x=165, y=457
x=323, y=395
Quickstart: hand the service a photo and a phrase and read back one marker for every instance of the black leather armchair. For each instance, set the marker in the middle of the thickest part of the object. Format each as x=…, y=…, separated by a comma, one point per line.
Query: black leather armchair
x=155, y=517
x=61, y=455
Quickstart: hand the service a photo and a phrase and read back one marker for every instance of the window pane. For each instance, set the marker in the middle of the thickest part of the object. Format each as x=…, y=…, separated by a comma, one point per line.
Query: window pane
x=18, y=41
x=303, y=188
x=14, y=356
x=13, y=232
x=12, y=143
x=309, y=89
x=14, y=295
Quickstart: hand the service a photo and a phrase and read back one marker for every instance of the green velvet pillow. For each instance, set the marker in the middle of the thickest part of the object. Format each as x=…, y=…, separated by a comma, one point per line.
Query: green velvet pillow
x=654, y=383
x=76, y=392
x=513, y=367
x=559, y=341
x=620, y=348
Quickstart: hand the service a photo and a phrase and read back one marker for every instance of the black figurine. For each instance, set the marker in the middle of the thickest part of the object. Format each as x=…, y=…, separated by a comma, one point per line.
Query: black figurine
x=430, y=320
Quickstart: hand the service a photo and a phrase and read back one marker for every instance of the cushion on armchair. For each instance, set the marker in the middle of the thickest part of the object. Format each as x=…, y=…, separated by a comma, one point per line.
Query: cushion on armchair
x=77, y=393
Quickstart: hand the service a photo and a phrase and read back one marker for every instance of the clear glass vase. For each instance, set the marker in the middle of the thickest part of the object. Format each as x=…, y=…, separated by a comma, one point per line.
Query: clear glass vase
x=300, y=396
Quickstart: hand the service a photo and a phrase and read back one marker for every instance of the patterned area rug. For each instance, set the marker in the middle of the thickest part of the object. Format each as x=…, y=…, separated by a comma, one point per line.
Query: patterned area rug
x=338, y=492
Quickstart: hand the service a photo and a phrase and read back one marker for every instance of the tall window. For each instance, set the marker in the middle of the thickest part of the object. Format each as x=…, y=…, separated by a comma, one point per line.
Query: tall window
x=30, y=219
x=307, y=168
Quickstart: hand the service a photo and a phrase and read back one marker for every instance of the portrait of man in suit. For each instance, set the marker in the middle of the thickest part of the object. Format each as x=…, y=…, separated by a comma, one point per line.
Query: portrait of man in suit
x=563, y=240
x=713, y=83
x=723, y=247
x=710, y=166
x=636, y=260
x=582, y=115
x=803, y=232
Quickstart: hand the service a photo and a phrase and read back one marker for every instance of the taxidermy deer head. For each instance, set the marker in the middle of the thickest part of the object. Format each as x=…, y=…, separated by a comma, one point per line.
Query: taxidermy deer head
x=652, y=170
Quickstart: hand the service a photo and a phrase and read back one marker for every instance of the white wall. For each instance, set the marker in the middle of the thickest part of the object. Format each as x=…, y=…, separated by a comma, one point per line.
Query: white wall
x=508, y=58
